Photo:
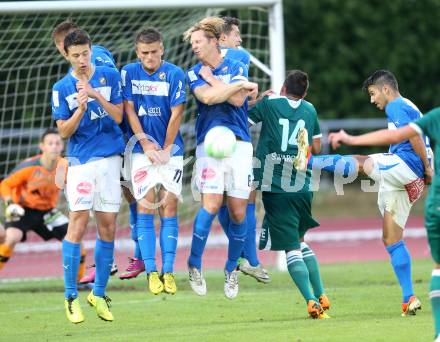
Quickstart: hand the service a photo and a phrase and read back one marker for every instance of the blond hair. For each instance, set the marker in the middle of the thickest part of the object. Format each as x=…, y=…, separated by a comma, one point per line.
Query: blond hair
x=211, y=26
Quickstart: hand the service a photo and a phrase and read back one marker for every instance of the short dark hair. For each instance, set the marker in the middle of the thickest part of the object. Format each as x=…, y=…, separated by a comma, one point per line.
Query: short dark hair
x=148, y=36
x=229, y=22
x=380, y=78
x=64, y=28
x=77, y=37
x=296, y=83
x=48, y=132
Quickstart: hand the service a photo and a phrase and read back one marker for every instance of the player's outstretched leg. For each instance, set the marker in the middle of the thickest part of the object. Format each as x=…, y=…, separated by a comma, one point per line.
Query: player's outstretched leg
x=400, y=261
x=202, y=226
x=312, y=264
x=168, y=244
x=300, y=275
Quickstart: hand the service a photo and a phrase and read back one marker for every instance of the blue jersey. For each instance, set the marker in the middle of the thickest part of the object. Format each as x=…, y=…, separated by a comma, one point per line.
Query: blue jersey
x=153, y=97
x=102, y=57
x=222, y=114
x=97, y=135
x=238, y=54
x=400, y=112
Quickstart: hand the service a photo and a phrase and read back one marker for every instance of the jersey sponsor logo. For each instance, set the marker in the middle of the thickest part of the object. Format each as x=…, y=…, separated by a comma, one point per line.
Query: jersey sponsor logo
x=208, y=173
x=142, y=189
x=140, y=175
x=154, y=88
x=151, y=111
x=82, y=200
x=84, y=188
x=101, y=113
x=72, y=101
x=224, y=78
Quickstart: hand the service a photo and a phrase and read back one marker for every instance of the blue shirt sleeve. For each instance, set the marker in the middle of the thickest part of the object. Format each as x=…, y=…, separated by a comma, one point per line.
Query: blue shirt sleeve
x=60, y=108
x=116, y=94
x=401, y=115
x=239, y=72
x=194, y=80
x=127, y=92
x=177, y=88
x=102, y=57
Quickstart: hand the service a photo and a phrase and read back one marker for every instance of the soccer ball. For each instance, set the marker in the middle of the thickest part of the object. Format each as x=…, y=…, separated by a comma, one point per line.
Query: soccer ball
x=220, y=142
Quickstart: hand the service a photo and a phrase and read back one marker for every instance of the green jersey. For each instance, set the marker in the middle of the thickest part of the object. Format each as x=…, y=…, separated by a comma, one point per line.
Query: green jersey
x=429, y=125
x=277, y=147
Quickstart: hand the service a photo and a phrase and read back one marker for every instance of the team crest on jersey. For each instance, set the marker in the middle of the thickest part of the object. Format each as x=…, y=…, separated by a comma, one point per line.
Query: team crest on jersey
x=225, y=70
x=162, y=75
x=102, y=80
x=240, y=71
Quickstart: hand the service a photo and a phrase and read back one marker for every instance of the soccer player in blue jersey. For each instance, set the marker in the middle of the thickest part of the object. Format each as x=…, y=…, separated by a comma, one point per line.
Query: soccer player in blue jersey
x=248, y=263
x=154, y=100
x=428, y=125
x=87, y=108
x=102, y=57
x=221, y=89
x=400, y=173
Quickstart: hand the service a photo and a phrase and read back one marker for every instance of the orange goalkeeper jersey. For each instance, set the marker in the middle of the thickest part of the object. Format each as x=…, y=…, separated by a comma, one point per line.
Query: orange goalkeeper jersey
x=31, y=185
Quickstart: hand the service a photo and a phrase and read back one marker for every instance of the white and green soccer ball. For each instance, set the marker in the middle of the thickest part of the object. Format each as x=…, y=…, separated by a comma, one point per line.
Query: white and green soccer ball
x=220, y=142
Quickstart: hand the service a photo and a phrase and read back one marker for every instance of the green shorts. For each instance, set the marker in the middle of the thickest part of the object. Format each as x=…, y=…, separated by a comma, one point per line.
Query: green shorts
x=432, y=224
x=287, y=218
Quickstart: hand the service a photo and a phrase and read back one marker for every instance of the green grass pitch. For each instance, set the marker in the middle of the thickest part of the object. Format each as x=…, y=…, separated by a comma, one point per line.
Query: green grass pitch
x=365, y=307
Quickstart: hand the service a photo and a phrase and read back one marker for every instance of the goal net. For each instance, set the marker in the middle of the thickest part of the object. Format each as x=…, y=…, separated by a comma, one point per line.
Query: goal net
x=30, y=65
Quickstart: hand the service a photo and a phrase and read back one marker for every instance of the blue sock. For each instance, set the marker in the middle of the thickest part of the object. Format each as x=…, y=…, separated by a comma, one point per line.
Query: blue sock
x=250, y=245
x=168, y=243
x=202, y=226
x=344, y=165
x=236, y=243
x=134, y=234
x=223, y=218
x=71, y=257
x=103, y=263
x=147, y=241
x=401, y=262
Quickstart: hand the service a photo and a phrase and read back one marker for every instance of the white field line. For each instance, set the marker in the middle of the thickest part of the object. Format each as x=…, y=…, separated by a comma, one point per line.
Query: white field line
x=219, y=240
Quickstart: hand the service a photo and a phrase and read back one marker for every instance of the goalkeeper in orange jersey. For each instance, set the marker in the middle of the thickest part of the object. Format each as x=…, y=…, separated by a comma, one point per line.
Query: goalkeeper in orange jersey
x=31, y=196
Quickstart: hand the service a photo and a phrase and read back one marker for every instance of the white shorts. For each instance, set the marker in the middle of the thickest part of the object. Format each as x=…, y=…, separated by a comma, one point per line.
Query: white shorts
x=232, y=174
x=399, y=186
x=145, y=175
x=95, y=185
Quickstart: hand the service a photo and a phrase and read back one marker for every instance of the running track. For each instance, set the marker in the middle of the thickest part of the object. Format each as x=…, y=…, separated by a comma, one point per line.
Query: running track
x=337, y=240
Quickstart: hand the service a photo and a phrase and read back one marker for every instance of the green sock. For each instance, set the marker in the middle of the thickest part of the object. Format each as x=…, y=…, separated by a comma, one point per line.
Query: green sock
x=313, y=267
x=298, y=271
x=434, y=295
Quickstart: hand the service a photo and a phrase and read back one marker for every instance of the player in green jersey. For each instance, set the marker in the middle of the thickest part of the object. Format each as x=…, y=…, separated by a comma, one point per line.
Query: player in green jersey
x=286, y=193
x=430, y=126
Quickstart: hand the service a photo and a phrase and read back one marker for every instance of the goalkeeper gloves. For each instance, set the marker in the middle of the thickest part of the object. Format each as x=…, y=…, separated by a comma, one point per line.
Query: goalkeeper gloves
x=13, y=212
